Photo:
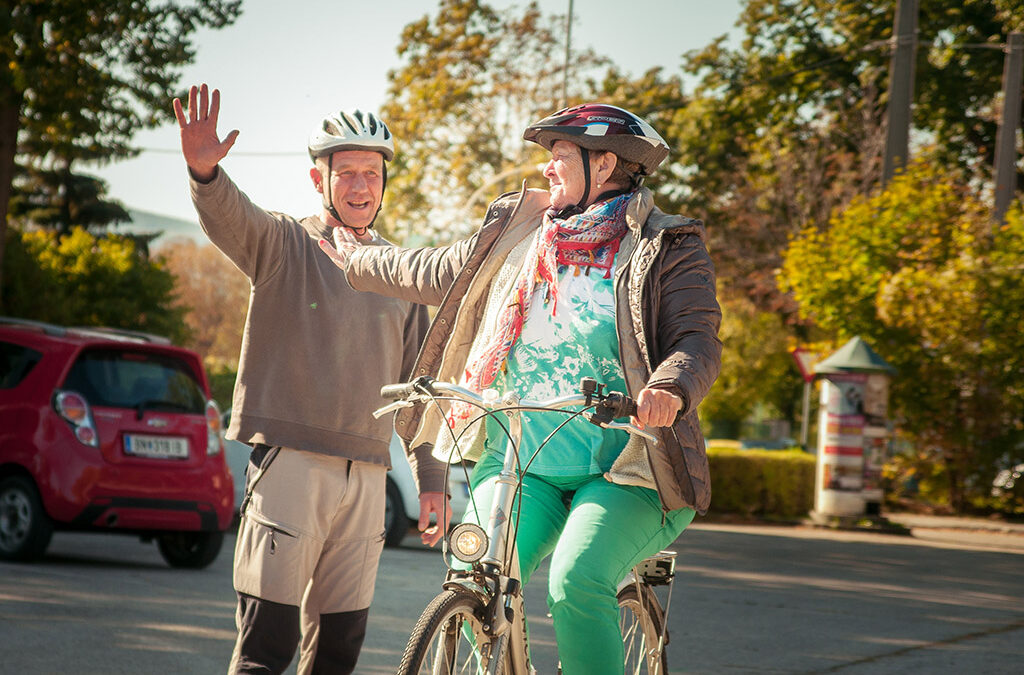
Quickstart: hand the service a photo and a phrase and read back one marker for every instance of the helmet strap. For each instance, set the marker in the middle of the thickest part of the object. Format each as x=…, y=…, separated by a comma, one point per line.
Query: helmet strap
x=581, y=205
x=585, y=156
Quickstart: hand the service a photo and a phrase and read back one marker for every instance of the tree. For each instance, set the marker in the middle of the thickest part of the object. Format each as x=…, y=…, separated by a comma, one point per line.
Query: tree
x=58, y=199
x=921, y=274
x=82, y=280
x=787, y=126
x=470, y=82
x=215, y=295
x=82, y=77
x=757, y=370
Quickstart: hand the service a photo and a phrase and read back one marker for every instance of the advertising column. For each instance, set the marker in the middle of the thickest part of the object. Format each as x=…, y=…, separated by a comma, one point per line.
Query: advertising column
x=853, y=434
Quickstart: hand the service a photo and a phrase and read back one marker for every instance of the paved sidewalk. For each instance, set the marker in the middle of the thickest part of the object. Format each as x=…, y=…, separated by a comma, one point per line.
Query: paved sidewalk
x=977, y=532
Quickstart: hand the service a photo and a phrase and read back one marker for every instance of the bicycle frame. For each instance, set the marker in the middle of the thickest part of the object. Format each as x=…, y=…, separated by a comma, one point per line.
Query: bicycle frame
x=494, y=577
x=499, y=564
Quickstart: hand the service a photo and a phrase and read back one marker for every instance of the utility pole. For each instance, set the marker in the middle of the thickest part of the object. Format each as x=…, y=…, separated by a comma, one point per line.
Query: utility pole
x=1006, y=138
x=565, y=73
x=901, y=88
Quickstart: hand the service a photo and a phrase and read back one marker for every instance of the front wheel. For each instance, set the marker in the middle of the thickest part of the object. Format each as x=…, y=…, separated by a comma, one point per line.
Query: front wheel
x=192, y=550
x=449, y=638
x=641, y=619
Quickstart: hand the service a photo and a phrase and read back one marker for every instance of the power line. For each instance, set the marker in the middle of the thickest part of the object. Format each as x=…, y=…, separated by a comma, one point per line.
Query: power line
x=234, y=153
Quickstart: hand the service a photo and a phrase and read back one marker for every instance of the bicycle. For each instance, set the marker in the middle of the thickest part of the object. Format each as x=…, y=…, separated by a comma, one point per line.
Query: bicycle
x=477, y=623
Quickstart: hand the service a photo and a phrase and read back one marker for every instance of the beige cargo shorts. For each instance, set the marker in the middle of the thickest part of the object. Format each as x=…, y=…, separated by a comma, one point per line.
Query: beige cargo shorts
x=312, y=533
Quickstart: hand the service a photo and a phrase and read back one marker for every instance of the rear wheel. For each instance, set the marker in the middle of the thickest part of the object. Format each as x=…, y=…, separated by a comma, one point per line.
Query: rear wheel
x=447, y=636
x=641, y=620
x=194, y=550
x=25, y=529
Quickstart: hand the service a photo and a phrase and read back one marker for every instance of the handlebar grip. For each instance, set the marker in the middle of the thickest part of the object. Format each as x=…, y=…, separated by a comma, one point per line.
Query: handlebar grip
x=619, y=405
x=396, y=392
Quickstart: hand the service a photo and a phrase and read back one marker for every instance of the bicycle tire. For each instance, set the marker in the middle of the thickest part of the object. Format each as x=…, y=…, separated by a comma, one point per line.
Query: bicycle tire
x=441, y=640
x=641, y=622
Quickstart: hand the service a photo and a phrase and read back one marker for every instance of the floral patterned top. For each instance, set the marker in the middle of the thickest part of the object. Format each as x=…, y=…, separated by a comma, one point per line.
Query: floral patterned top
x=549, y=359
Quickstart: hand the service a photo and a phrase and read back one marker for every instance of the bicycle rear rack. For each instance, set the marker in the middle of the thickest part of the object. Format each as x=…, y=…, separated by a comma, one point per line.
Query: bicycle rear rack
x=659, y=569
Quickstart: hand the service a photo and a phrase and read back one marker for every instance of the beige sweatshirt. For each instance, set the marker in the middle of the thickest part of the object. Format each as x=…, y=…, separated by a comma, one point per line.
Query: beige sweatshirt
x=314, y=352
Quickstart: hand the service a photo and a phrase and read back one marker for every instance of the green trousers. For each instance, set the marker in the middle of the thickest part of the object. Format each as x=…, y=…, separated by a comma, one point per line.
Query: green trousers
x=595, y=532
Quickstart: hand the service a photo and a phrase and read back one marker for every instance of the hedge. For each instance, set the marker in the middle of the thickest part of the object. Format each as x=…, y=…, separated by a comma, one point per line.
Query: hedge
x=764, y=483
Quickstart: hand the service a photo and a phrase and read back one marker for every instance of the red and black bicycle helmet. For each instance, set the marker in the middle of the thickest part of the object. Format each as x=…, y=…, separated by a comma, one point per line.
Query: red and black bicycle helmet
x=596, y=126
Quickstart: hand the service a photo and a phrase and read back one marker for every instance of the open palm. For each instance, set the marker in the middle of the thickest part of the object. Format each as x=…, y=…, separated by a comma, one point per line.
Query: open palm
x=200, y=145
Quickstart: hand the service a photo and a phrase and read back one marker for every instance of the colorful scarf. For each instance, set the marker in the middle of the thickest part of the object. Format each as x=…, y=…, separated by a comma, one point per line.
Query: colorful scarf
x=586, y=240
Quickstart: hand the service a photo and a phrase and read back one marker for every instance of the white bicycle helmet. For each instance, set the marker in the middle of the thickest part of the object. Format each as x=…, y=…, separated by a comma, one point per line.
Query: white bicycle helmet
x=354, y=130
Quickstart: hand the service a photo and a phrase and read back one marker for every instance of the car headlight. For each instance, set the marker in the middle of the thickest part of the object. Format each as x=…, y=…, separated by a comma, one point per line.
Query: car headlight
x=468, y=542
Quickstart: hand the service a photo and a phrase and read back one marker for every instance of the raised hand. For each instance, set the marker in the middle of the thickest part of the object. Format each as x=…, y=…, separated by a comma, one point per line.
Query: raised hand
x=200, y=145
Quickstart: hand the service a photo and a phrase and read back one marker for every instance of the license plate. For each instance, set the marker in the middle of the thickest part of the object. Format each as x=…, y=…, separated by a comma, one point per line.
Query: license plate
x=168, y=447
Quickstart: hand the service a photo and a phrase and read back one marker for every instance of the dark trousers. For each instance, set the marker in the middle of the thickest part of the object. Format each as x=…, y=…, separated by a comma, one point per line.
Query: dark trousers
x=268, y=634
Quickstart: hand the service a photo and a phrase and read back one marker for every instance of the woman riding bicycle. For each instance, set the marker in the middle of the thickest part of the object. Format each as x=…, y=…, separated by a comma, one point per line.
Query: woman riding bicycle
x=586, y=279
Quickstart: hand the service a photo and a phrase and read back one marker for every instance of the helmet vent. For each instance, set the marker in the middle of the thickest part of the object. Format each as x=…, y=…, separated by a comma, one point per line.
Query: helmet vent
x=347, y=119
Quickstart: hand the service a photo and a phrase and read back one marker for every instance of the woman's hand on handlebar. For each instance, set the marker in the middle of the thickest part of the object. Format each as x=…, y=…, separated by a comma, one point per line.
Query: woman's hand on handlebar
x=657, y=408
x=439, y=505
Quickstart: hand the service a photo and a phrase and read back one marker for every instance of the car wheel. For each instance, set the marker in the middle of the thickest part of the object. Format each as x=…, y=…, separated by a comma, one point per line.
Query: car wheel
x=396, y=524
x=25, y=529
x=194, y=550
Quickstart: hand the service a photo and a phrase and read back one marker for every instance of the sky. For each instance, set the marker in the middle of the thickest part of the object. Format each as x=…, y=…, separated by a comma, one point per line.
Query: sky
x=282, y=66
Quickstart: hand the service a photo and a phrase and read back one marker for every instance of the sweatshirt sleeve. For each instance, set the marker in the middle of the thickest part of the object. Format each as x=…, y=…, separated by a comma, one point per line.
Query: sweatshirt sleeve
x=420, y=275
x=249, y=236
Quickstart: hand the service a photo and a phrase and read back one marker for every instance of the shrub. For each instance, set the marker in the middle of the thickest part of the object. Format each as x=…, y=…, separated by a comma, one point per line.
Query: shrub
x=764, y=483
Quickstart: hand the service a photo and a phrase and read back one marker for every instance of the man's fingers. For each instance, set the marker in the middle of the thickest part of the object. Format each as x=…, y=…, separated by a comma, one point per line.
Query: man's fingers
x=179, y=113
x=229, y=142
x=192, y=103
x=204, y=102
x=215, y=106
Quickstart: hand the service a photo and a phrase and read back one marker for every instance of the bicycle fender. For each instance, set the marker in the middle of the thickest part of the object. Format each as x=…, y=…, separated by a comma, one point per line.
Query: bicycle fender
x=470, y=587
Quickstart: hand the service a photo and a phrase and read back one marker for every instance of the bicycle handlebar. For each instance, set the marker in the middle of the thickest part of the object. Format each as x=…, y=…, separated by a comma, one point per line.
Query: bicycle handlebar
x=607, y=407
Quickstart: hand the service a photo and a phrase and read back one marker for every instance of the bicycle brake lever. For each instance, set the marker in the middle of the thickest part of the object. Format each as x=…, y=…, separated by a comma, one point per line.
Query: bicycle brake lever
x=626, y=426
x=391, y=407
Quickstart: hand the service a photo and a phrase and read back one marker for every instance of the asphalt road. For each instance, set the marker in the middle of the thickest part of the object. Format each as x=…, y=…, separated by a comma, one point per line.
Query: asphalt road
x=747, y=600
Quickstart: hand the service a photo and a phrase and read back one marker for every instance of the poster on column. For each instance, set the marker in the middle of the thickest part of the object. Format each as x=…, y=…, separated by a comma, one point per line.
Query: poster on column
x=843, y=461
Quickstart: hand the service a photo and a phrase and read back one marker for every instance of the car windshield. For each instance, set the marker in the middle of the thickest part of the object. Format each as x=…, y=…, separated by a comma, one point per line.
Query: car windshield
x=127, y=379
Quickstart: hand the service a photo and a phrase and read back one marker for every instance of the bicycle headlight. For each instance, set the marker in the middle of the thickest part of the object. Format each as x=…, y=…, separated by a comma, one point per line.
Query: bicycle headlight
x=468, y=542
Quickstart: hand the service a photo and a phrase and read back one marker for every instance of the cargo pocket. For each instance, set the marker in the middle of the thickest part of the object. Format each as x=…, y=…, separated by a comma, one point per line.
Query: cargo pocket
x=347, y=573
x=272, y=561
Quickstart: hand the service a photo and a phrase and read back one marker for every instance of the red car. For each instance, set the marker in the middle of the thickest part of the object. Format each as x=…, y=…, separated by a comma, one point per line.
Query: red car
x=108, y=431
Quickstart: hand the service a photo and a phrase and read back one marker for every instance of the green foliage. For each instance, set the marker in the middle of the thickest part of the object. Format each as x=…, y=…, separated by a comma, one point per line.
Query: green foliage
x=757, y=369
x=470, y=82
x=923, y=276
x=762, y=483
x=80, y=78
x=82, y=280
x=222, y=383
x=58, y=199
x=787, y=126
x=87, y=75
